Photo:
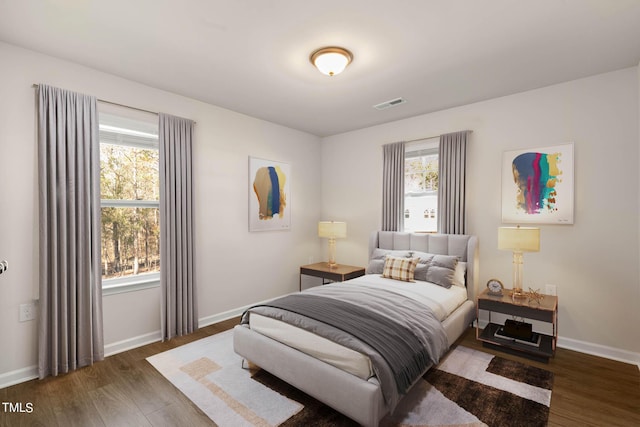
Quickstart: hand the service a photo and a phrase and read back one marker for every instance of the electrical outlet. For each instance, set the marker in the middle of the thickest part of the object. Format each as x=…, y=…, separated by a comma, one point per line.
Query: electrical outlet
x=27, y=311
x=551, y=290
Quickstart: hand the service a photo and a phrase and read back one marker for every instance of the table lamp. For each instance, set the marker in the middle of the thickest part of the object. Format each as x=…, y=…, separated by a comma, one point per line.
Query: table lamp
x=332, y=230
x=518, y=239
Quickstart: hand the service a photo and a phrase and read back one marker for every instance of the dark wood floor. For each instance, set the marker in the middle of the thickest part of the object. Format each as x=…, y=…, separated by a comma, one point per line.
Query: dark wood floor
x=587, y=390
x=125, y=390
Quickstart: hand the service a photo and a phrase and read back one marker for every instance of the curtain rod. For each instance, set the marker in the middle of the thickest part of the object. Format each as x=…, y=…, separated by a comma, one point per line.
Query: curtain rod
x=128, y=106
x=430, y=137
x=35, y=85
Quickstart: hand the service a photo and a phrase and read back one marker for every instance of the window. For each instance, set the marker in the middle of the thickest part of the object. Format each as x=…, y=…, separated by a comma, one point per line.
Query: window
x=129, y=192
x=421, y=186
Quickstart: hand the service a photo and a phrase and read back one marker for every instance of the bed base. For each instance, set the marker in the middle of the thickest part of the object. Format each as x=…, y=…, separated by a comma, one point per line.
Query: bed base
x=360, y=400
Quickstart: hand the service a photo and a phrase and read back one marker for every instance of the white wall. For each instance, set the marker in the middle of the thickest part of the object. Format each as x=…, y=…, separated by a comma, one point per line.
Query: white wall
x=594, y=262
x=234, y=268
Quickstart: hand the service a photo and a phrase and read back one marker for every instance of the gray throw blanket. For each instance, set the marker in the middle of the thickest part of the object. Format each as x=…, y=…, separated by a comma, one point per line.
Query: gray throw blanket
x=401, y=336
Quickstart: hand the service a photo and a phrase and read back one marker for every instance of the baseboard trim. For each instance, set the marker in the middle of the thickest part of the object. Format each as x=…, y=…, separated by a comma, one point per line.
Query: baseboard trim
x=131, y=343
x=612, y=353
x=599, y=350
x=25, y=374
x=210, y=320
x=29, y=373
x=18, y=376
x=139, y=341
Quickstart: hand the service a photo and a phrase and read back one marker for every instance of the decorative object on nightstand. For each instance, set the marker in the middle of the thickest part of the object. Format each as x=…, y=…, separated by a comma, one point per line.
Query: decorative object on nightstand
x=535, y=295
x=332, y=230
x=518, y=239
x=495, y=287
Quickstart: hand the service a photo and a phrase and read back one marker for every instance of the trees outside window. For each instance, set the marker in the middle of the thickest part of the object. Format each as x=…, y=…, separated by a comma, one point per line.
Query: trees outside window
x=129, y=187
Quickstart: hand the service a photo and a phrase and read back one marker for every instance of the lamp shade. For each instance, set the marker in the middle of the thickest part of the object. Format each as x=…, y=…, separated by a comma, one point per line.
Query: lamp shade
x=332, y=229
x=522, y=239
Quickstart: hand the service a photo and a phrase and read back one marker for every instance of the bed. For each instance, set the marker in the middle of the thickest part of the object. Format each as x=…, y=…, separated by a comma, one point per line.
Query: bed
x=346, y=376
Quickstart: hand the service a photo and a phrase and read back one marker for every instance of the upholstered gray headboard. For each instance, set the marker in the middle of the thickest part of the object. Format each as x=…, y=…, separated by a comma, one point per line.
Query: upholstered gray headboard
x=461, y=245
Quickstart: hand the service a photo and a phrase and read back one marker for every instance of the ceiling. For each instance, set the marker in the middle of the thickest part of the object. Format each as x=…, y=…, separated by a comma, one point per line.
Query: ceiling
x=252, y=56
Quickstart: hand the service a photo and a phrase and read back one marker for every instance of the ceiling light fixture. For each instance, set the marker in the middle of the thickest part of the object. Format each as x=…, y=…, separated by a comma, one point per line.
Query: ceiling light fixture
x=331, y=60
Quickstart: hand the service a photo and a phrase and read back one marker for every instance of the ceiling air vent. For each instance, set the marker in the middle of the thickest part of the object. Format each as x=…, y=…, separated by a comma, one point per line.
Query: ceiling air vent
x=389, y=104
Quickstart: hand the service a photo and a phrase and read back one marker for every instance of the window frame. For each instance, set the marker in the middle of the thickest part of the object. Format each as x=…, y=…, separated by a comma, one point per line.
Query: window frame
x=417, y=149
x=144, y=280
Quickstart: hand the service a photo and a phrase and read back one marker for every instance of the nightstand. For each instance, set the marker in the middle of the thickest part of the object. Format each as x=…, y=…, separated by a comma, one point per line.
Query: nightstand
x=339, y=273
x=545, y=311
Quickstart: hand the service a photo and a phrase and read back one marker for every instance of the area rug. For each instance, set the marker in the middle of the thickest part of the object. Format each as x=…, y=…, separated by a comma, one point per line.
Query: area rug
x=467, y=388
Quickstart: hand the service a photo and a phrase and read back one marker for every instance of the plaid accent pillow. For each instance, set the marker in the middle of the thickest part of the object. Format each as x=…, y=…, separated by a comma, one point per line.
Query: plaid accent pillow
x=399, y=268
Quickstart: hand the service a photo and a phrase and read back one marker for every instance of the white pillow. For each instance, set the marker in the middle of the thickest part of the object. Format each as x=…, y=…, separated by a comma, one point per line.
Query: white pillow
x=460, y=274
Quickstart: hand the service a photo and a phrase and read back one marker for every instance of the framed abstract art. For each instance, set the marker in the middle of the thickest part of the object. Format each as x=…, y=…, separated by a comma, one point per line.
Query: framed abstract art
x=269, y=195
x=537, y=185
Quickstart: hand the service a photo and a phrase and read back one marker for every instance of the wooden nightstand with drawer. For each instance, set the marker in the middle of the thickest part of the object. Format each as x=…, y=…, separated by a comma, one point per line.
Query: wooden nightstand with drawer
x=546, y=310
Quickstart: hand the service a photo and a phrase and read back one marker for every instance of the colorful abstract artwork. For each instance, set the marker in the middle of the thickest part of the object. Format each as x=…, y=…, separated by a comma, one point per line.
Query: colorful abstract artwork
x=269, y=195
x=537, y=185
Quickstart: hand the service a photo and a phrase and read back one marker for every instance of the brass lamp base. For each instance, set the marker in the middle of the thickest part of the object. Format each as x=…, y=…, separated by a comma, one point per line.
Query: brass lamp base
x=332, y=253
x=518, y=293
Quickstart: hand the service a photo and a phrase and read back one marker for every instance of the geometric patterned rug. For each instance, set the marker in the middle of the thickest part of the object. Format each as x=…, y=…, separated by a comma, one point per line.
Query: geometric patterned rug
x=468, y=388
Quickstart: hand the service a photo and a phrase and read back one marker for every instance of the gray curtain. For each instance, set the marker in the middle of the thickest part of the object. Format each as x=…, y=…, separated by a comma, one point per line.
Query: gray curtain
x=179, y=303
x=452, y=159
x=70, y=322
x=393, y=187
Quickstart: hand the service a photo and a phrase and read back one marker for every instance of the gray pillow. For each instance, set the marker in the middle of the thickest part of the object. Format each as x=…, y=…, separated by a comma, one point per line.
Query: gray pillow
x=420, y=273
x=382, y=253
x=442, y=270
x=424, y=257
x=376, y=266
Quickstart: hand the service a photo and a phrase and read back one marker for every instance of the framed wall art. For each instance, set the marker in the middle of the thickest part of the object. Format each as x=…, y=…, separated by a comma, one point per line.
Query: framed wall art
x=269, y=195
x=537, y=185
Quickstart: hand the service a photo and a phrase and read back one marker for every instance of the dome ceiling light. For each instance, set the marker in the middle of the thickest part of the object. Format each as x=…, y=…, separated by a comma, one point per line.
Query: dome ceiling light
x=331, y=60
